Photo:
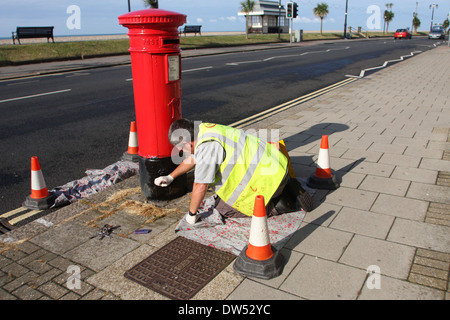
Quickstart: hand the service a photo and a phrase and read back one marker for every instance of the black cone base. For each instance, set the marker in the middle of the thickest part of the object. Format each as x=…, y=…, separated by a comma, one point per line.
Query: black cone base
x=266, y=269
x=40, y=204
x=129, y=157
x=321, y=183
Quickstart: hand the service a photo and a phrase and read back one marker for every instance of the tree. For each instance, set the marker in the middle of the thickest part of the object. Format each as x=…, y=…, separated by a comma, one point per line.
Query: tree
x=388, y=15
x=151, y=3
x=247, y=7
x=321, y=11
x=446, y=24
x=416, y=23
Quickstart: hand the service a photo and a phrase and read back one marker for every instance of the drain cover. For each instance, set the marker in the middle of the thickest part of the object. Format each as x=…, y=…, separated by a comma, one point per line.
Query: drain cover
x=180, y=269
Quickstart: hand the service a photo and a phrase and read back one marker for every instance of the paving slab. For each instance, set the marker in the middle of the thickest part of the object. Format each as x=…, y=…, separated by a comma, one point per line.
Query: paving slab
x=414, y=174
x=396, y=206
x=319, y=241
x=385, y=185
x=395, y=289
x=63, y=238
x=98, y=254
x=393, y=259
x=353, y=198
x=317, y=278
x=363, y=222
x=428, y=192
x=420, y=234
x=252, y=290
x=377, y=169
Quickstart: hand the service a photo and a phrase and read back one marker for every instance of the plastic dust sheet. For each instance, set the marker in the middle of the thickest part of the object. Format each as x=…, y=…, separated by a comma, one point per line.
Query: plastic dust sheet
x=94, y=181
x=232, y=234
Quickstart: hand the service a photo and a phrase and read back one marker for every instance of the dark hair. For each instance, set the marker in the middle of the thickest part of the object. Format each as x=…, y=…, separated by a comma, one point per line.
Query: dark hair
x=181, y=130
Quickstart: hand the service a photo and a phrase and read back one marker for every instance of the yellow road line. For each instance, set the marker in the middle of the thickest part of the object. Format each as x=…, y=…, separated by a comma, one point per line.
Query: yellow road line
x=12, y=212
x=23, y=217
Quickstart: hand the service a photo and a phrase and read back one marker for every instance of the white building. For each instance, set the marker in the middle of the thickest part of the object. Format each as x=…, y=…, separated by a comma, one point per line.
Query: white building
x=267, y=17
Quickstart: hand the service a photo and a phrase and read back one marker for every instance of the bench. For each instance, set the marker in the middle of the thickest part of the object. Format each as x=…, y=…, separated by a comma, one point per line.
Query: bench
x=191, y=29
x=32, y=32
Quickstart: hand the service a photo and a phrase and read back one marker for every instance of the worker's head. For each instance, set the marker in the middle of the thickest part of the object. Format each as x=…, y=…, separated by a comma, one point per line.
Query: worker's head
x=182, y=134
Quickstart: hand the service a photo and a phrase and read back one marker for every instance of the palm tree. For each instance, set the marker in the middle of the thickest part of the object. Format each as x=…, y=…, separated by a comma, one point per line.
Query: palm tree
x=416, y=23
x=151, y=3
x=247, y=7
x=446, y=24
x=388, y=16
x=321, y=11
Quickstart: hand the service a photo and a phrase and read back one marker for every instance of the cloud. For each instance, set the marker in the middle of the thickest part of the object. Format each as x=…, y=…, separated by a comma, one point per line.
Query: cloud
x=307, y=20
x=314, y=20
x=231, y=18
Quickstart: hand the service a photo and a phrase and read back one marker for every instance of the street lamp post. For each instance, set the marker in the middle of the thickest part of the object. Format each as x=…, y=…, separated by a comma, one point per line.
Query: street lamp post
x=345, y=21
x=279, y=19
x=432, y=14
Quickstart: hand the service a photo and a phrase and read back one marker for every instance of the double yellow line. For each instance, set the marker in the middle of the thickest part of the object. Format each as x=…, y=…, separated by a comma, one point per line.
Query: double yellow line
x=20, y=217
x=267, y=113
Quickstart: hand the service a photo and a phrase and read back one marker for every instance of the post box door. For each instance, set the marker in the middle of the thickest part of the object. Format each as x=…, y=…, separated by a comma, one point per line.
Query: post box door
x=157, y=90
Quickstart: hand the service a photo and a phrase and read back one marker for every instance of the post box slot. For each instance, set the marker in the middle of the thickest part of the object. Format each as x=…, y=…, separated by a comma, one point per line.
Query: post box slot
x=171, y=41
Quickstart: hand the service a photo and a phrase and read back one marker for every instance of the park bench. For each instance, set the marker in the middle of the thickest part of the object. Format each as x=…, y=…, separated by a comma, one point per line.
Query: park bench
x=191, y=29
x=32, y=32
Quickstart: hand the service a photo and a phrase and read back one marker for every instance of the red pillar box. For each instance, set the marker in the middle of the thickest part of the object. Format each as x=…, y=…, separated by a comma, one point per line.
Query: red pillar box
x=156, y=69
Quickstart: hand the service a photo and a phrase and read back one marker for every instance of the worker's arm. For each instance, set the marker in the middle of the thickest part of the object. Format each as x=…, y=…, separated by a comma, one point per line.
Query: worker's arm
x=197, y=196
x=184, y=167
x=198, y=193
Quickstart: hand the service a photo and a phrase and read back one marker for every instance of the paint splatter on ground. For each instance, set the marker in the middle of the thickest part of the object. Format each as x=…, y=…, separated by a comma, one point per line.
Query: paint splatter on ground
x=232, y=235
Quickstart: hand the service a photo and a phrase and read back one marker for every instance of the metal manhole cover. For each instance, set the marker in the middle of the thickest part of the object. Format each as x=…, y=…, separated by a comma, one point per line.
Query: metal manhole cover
x=180, y=269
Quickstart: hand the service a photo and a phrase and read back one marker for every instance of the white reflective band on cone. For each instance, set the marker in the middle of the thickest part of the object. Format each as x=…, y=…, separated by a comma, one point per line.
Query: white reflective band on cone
x=132, y=140
x=259, y=233
x=323, y=161
x=37, y=180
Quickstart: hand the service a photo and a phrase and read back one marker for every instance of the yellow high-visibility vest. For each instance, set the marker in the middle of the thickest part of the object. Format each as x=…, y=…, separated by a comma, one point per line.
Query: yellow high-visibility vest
x=251, y=166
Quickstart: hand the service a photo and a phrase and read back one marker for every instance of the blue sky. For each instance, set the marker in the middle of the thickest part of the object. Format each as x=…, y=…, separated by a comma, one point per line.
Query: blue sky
x=100, y=16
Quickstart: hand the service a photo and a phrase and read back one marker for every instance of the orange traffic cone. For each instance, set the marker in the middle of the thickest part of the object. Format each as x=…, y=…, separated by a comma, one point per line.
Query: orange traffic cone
x=259, y=259
x=323, y=178
x=132, y=153
x=259, y=247
x=39, y=198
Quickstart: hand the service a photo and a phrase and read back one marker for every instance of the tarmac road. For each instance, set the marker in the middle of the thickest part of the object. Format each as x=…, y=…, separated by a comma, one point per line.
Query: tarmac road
x=80, y=120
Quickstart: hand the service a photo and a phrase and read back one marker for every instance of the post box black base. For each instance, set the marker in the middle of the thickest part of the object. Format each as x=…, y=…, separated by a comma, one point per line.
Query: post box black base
x=151, y=168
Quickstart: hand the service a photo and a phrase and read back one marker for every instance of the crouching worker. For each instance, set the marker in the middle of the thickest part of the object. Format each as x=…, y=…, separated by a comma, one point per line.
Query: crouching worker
x=241, y=166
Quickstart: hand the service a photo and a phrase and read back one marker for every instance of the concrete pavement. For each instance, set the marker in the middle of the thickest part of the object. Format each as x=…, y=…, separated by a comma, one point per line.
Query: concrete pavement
x=384, y=234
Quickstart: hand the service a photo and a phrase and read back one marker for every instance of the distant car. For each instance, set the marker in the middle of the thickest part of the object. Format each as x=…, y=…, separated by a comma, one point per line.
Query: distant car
x=402, y=33
x=437, y=33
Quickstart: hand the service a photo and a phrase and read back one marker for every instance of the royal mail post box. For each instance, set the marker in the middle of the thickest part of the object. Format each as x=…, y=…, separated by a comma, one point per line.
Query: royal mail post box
x=156, y=69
